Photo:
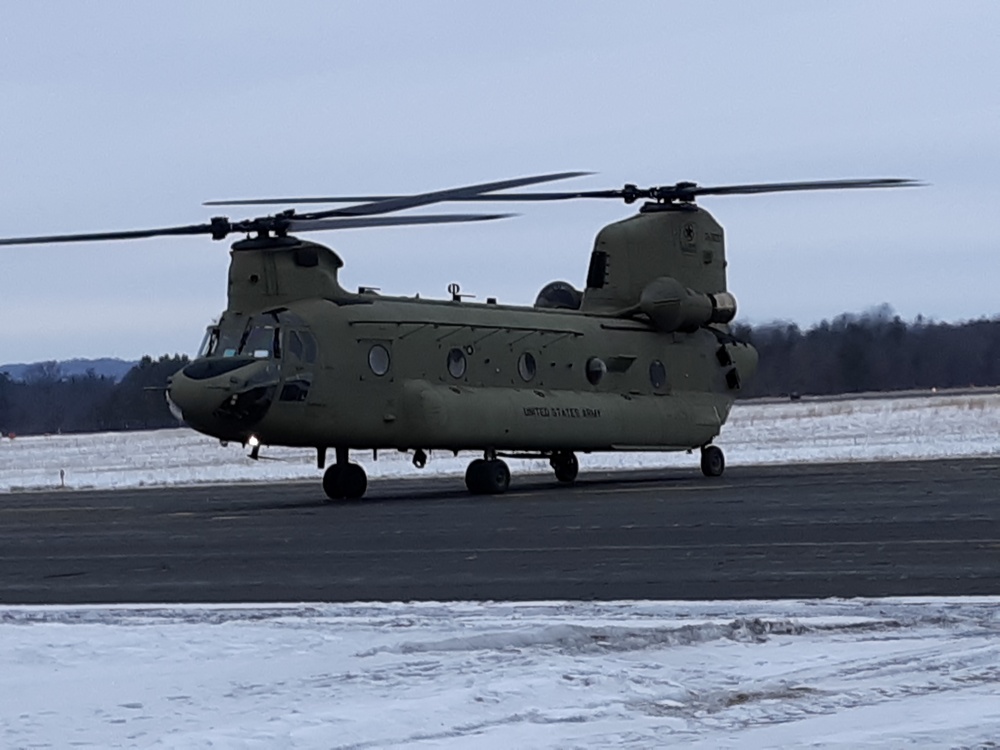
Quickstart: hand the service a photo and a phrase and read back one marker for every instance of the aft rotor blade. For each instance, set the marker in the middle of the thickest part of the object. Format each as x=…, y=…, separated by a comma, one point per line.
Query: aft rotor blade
x=786, y=187
x=357, y=222
x=127, y=235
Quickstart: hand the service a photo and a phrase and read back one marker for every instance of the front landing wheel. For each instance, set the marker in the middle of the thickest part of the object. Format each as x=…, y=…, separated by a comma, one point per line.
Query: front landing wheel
x=713, y=462
x=487, y=477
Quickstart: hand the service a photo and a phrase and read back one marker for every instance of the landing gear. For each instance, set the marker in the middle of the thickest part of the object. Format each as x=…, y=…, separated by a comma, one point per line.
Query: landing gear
x=565, y=465
x=344, y=480
x=713, y=462
x=487, y=476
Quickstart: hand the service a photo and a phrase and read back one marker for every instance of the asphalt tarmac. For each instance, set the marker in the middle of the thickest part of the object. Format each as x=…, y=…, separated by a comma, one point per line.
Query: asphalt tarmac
x=861, y=529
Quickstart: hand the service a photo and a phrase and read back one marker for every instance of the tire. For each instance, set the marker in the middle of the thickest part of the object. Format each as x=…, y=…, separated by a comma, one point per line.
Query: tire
x=331, y=483
x=487, y=477
x=713, y=461
x=498, y=474
x=353, y=481
x=345, y=482
x=566, y=467
x=474, y=481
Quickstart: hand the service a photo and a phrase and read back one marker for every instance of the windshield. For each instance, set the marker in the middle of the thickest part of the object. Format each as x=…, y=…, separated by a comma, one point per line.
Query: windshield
x=210, y=343
x=260, y=337
x=228, y=343
x=261, y=341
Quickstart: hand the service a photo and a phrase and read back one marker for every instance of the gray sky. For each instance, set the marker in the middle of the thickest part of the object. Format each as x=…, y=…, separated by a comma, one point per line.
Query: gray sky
x=120, y=115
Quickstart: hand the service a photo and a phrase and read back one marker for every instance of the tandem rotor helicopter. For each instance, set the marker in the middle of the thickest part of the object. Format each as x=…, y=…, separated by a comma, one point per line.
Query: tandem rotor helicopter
x=641, y=359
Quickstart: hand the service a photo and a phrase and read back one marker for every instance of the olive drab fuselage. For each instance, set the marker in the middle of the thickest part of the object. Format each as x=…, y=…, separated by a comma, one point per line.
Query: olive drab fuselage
x=641, y=360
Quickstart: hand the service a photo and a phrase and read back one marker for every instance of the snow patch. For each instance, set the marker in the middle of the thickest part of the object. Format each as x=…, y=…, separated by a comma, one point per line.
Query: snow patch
x=880, y=672
x=929, y=427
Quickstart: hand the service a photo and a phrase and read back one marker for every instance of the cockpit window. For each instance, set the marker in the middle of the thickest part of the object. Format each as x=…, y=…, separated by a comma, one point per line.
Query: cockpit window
x=261, y=342
x=218, y=344
x=209, y=343
x=301, y=345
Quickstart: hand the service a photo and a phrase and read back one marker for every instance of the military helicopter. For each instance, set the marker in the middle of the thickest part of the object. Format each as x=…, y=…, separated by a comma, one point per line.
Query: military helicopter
x=641, y=359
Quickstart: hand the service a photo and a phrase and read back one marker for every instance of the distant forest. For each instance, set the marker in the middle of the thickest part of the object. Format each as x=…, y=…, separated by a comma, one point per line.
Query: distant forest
x=46, y=401
x=876, y=351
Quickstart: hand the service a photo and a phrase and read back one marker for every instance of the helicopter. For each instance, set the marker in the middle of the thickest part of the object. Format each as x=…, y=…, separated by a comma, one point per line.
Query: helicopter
x=641, y=359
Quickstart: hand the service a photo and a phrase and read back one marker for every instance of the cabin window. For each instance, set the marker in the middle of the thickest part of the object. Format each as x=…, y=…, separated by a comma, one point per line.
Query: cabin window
x=456, y=363
x=526, y=367
x=378, y=359
x=596, y=370
x=657, y=374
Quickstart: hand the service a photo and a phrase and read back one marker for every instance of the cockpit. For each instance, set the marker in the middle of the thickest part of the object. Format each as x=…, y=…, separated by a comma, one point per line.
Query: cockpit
x=272, y=335
x=260, y=341
x=242, y=368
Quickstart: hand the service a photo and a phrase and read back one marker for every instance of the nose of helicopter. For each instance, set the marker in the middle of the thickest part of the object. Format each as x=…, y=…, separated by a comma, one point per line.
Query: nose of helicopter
x=223, y=397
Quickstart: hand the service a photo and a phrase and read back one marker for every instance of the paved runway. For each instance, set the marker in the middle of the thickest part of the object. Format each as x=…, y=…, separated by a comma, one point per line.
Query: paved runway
x=863, y=529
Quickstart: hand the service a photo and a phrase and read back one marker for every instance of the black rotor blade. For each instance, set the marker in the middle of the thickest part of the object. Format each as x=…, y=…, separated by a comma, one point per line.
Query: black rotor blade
x=375, y=204
x=684, y=191
x=136, y=234
x=286, y=201
x=357, y=222
x=481, y=197
x=787, y=187
x=439, y=196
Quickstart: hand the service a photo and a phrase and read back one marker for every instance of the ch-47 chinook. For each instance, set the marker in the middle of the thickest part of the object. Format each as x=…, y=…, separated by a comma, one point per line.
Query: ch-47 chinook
x=640, y=360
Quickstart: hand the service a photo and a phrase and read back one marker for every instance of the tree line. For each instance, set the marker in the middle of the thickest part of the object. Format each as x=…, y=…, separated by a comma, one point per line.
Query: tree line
x=875, y=351
x=45, y=401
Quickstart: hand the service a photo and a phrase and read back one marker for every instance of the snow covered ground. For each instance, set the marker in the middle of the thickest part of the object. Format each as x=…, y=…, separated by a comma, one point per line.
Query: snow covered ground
x=757, y=433
x=845, y=674
x=727, y=674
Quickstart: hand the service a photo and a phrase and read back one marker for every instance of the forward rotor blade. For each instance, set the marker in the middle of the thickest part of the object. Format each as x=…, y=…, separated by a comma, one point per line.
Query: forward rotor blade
x=483, y=198
x=127, y=235
x=439, y=196
x=390, y=203
x=286, y=201
x=357, y=222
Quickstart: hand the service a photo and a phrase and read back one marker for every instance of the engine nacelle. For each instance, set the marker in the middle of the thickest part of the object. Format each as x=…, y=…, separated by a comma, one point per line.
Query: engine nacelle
x=672, y=307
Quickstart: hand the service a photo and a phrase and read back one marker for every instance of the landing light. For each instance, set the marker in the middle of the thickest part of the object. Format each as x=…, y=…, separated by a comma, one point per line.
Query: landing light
x=253, y=441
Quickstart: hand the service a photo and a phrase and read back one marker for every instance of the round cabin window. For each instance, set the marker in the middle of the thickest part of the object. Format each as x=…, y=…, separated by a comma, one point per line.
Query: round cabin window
x=596, y=370
x=378, y=359
x=657, y=374
x=456, y=363
x=526, y=366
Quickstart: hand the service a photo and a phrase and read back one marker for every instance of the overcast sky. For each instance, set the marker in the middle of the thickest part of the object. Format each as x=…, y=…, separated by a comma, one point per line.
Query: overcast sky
x=120, y=115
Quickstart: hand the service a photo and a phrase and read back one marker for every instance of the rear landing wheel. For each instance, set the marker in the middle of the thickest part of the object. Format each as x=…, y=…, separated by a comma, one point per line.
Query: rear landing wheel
x=713, y=462
x=565, y=465
x=487, y=477
x=345, y=481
